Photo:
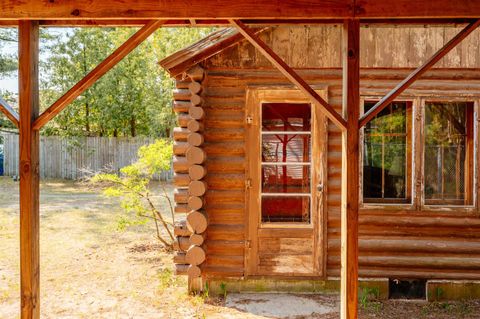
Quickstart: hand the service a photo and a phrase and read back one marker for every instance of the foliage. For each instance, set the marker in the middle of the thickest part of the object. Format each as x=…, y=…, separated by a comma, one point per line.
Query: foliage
x=8, y=62
x=5, y=123
x=133, y=187
x=369, y=298
x=223, y=290
x=132, y=99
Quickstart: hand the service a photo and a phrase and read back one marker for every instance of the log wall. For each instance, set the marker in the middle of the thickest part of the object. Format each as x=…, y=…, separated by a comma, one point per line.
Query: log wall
x=190, y=173
x=394, y=242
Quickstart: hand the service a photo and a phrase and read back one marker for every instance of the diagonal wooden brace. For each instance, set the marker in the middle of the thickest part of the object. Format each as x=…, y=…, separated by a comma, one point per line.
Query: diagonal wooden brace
x=410, y=79
x=9, y=112
x=286, y=70
x=97, y=73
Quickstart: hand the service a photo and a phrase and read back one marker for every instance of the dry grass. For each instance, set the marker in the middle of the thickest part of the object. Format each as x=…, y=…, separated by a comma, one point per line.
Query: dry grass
x=90, y=268
x=94, y=265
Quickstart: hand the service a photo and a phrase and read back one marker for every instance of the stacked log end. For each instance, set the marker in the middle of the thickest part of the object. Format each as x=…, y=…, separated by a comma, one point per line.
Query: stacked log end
x=189, y=167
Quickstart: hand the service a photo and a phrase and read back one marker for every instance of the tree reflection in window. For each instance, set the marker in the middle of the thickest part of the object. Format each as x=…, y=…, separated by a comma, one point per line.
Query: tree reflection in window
x=448, y=152
x=387, y=155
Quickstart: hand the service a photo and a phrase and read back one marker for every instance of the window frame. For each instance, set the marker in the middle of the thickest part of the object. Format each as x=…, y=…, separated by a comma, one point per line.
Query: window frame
x=418, y=161
x=410, y=176
x=471, y=208
x=256, y=96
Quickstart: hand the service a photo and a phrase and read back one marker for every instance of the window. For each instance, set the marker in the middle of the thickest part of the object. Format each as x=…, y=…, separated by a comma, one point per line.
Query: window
x=448, y=153
x=286, y=162
x=444, y=138
x=387, y=155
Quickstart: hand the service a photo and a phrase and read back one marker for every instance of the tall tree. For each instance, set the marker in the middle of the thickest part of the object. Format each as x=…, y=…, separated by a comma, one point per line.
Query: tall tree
x=132, y=99
x=8, y=61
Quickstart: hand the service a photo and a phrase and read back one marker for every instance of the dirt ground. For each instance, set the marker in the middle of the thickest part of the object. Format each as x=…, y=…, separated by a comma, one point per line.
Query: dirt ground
x=96, y=264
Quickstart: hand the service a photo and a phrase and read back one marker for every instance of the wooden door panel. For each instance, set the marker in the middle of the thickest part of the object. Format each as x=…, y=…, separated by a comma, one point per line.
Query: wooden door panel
x=284, y=248
x=292, y=256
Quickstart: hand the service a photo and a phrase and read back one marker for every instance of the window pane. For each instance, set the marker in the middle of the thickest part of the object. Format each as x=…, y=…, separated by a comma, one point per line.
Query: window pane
x=392, y=119
x=286, y=117
x=385, y=155
x=285, y=148
x=285, y=179
x=447, y=130
x=285, y=209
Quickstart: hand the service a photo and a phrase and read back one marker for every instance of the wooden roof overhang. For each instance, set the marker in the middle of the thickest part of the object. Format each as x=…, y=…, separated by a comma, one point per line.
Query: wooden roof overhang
x=246, y=9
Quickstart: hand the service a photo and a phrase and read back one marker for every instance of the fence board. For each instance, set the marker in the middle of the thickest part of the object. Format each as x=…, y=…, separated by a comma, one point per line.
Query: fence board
x=71, y=158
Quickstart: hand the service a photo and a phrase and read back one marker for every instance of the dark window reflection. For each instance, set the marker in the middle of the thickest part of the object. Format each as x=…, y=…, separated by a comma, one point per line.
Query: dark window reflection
x=385, y=154
x=448, y=128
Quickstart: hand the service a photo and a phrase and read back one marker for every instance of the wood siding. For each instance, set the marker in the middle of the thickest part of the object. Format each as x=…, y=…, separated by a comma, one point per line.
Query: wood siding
x=396, y=242
x=392, y=242
x=380, y=47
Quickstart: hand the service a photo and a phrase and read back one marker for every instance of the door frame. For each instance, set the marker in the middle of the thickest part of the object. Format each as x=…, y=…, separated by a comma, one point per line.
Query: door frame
x=255, y=96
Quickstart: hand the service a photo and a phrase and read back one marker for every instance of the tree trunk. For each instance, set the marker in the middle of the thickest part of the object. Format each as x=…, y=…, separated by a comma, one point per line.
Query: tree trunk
x=133, y=124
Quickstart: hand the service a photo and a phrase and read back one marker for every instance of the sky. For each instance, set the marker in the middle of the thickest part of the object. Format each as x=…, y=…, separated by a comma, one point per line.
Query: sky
x=11, y=83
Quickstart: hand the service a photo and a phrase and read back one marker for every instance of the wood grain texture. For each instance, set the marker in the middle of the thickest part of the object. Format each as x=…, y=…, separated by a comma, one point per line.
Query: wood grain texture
x=350, y=170
x=286, y=70
x=413, y=45
x=227, y=80
x=28, y=48
x=264, y=9
x=195, y=202
x=183, y=9
x=9, y=112
x=402, y=86
x=197, y=222
x=226, y=206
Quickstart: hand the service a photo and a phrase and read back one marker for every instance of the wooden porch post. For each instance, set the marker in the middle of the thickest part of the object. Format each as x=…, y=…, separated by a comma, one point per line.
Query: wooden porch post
x=29, y=173
x=350, y=169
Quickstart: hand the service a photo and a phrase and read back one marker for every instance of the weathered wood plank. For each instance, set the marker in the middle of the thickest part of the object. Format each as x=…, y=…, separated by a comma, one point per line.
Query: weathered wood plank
x=350, y=170
x=402, y=86
x=29, y=175
x=153, y=9
x=289, y=73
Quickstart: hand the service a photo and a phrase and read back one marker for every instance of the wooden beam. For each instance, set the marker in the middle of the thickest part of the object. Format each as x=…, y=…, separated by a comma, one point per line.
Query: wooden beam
x=350, y=170
x=225, y=23
x=417, y=9
x=29, y=174
x=246, y=9
x=97, y=73
x=417, y=73
x=9, y=112
x=179, y=9
x=290, y=74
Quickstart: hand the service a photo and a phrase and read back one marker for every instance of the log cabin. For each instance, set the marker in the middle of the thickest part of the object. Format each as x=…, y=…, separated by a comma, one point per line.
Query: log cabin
x=449, y=218
x=258, y=166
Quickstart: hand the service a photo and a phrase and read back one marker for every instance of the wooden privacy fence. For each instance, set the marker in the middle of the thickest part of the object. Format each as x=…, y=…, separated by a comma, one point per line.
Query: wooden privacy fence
x=75, y=158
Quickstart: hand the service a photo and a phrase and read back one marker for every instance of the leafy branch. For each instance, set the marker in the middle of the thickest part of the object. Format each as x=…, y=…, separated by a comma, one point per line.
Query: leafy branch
x=133, y=185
